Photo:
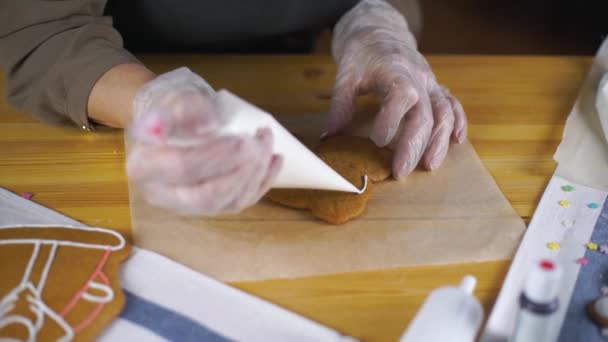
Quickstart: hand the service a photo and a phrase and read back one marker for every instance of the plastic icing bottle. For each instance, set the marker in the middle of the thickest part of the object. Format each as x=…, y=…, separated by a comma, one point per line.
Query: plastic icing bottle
x=538, y=302
x=449, y=314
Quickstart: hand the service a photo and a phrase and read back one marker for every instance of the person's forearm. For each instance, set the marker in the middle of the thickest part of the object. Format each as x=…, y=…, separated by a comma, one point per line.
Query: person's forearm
x=111, y=99
x=52, y=54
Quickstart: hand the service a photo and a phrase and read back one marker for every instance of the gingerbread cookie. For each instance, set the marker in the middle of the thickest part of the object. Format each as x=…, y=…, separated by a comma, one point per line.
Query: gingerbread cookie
x=59, y=283
x=293, y=198
x=353, y=158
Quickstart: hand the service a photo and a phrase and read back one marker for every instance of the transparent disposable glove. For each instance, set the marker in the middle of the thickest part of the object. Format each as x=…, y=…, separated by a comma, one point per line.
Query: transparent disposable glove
x=376, y=52
x=181, y=161
x=601, y=103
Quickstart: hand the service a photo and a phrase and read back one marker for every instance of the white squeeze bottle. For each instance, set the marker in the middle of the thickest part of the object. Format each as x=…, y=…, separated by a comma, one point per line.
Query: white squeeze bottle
x=449, y=313
x=538, y=302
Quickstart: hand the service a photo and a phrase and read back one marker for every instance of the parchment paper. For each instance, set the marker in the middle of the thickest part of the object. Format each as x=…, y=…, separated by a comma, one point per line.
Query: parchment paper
x=454, y=214
x=583, y=153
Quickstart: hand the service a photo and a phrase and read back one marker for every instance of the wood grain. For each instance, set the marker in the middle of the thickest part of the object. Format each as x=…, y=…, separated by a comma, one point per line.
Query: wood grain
x=516, y=106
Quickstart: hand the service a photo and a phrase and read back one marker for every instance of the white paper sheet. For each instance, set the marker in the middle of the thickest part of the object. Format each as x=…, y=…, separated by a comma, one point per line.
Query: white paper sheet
x=223, y=309
x=547, y=226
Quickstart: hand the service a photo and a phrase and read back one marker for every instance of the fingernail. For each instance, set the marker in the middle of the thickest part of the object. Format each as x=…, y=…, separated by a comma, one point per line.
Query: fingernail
x=390, y=135
x=376, y=140
x=434, y=164
x=405, y=169
x=384, y=139
x=411, y=163
x=401, y=173
x=460, y=136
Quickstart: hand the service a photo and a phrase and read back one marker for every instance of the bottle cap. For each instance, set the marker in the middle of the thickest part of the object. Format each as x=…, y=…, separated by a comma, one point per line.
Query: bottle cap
x=543, y=282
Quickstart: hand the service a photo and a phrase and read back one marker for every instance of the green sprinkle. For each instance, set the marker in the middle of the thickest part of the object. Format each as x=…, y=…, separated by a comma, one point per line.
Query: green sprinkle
x=567, y=188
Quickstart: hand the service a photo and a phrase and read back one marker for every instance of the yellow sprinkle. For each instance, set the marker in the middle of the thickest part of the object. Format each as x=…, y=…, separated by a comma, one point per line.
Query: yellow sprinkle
x=554, y=246
x=592, y=246
x=564, y=203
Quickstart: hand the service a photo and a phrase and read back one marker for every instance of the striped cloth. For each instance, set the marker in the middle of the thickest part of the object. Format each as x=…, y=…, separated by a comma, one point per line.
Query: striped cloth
x=167, y=301
x=577, y=326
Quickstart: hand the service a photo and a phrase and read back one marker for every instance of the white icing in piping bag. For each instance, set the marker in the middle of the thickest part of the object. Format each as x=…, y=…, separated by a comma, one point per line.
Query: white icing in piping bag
x=301, y=168
x=362, y=190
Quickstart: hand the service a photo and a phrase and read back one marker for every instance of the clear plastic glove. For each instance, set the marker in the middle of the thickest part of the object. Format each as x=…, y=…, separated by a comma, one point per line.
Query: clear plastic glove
x=376, y=52
x=179, y=159
x=601, y=103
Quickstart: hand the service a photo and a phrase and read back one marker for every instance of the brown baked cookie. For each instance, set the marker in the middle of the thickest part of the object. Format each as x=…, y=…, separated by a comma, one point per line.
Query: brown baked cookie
x=60, y=281
x=338, y=207
x=293, y=198
x=359, y=152
x=353, y=158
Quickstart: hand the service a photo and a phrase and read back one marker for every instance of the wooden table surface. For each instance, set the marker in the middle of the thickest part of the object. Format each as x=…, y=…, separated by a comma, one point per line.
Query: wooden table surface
x=516, y=105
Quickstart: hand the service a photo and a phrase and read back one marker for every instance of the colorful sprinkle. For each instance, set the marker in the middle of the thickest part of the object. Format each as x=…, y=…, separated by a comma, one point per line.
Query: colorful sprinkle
x=567, y=188
x=582, y=261
x=27, y=195
x=568, y=223
x=547, y=265
x=554, y=246
x=592, y=246
x=604, y=249
x=564, y=203
x=593, y=205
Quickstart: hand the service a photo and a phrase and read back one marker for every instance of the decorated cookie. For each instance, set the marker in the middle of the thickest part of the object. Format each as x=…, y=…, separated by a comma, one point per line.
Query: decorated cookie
x=59, y=283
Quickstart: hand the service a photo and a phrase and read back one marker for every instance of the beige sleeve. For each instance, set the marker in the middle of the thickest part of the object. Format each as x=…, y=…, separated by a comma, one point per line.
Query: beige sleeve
x=52, y=53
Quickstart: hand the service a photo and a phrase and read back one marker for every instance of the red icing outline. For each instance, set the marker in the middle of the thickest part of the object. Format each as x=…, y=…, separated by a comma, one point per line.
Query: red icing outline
x=91, y=317
x=72, y=303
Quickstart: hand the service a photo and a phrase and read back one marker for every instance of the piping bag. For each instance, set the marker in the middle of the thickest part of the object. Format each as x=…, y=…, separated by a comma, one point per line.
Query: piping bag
x=301, y=168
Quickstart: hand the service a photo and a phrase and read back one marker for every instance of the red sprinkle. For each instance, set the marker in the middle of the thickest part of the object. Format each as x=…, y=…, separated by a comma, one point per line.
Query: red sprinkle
x=27, y=195
x=582, y=261
x=547, y=265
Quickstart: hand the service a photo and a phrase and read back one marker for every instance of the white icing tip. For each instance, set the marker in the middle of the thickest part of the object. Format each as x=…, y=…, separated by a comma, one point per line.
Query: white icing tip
x=364, y=185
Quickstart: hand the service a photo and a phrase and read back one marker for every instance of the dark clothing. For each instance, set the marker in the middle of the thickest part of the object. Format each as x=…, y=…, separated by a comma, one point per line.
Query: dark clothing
x=53, y=52
x=223, y=26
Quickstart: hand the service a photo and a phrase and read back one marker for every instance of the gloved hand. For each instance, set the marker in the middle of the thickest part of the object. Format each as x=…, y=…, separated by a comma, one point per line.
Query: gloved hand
x=375, y=51
x=181, y=162
x=601, y=103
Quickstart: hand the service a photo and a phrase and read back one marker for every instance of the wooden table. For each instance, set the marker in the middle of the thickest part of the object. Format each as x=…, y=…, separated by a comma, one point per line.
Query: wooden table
x=516, y=107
